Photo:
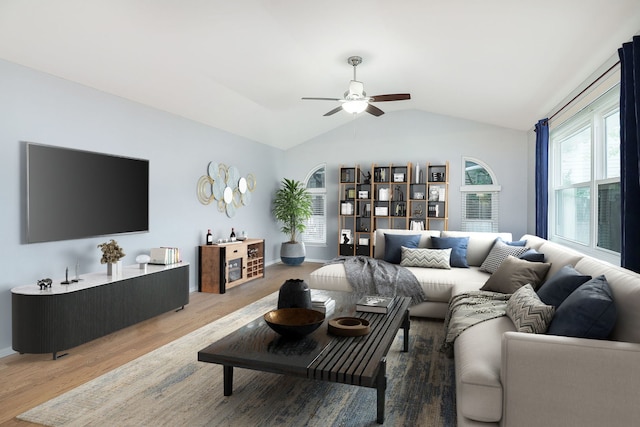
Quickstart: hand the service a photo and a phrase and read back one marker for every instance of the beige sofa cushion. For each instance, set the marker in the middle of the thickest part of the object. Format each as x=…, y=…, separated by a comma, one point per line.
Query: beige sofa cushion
x=478, y=357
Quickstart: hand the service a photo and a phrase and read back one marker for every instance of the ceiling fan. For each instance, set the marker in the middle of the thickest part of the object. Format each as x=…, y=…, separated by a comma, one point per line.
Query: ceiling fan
x=356, y=100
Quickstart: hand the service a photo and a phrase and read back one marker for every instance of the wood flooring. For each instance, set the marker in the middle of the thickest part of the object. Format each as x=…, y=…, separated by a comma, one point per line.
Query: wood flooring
x=27, y=380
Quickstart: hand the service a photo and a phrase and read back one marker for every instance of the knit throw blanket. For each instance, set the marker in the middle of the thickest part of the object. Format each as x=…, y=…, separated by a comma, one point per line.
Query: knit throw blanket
x=468, y=309
x=371, y=276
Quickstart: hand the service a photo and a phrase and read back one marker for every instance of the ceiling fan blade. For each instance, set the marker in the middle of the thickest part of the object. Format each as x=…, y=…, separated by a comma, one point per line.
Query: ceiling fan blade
x=335, y=110
x=323, y=99
x=371, y=109
x=392, y=97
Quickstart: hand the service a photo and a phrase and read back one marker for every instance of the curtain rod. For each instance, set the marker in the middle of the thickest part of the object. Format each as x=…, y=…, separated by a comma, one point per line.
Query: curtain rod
x=584, y=90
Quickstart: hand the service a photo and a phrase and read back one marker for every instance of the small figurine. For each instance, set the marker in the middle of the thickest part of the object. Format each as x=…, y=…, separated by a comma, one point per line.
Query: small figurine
x=44, y=283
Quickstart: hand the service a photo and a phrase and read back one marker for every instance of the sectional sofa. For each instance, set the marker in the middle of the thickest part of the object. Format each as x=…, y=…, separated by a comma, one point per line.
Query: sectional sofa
x=512, y=378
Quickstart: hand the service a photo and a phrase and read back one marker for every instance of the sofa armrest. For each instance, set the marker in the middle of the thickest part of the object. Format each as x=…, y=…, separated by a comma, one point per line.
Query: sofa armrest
x=562, y=381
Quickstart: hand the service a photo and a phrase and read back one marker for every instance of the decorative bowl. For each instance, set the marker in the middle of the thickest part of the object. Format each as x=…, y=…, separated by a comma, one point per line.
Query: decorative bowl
x=294, y=322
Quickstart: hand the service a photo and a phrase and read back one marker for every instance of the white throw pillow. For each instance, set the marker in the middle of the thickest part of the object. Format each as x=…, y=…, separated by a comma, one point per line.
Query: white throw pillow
x=427, y=258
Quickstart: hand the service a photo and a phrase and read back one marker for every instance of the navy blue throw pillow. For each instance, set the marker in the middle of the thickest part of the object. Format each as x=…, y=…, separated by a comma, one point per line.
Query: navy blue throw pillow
x=393, y=244
x=532, y=256
x=555, y=290
x=589, y=312
x=458, y=247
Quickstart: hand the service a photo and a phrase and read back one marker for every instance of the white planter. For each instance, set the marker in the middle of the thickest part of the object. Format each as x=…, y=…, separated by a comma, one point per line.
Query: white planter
x=114, y=269
x=292, y=253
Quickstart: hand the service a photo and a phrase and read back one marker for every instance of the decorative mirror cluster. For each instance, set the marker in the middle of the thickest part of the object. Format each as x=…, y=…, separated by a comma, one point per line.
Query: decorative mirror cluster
x=224, y=184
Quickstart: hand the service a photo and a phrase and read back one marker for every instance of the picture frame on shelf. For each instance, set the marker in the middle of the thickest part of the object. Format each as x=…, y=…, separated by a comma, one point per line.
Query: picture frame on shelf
x=398, y=177
x=363, y=194
x=434, y=194
x=381, y=211
x=346, y=208
x=345, y=236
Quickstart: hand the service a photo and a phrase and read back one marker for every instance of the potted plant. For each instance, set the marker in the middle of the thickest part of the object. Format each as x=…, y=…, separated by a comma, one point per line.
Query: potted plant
x=292, y=207
x=112, y=253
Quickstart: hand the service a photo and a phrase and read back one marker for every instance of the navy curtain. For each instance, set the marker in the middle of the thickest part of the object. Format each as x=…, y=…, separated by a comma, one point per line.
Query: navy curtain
x=542, y=177
x=630, y=153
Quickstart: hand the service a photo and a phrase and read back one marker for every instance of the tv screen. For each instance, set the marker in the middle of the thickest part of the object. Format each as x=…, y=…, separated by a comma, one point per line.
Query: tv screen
x=73, y=194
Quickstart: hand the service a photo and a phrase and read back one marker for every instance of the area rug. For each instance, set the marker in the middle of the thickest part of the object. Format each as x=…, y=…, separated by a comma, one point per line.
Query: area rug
x=169, y=387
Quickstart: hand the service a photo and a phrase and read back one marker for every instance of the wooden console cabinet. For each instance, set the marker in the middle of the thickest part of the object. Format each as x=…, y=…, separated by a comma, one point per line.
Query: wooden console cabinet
x=64, y=316
x=225, y=265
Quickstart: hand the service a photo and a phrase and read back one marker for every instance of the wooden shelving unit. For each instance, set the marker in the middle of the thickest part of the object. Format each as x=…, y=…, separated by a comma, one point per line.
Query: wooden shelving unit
x=394, y=196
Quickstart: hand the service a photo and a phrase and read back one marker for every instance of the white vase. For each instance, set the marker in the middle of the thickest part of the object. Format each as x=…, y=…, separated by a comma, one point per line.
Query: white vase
x=114, y=269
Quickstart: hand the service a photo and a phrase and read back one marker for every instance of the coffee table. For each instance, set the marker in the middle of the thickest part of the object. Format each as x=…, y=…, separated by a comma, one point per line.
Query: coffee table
x=357, y=361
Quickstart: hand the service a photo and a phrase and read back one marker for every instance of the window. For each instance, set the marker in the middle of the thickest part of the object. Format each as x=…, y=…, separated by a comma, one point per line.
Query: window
x=316, y=231
x=480, y=197
x=585, y=177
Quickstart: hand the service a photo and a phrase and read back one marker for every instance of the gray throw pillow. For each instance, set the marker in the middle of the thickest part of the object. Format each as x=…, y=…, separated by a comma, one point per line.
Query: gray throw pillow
x=427, y=258
x=558, y=287
x=527, y=312
x=498, y=253
x=514, y=273
x=589, y=312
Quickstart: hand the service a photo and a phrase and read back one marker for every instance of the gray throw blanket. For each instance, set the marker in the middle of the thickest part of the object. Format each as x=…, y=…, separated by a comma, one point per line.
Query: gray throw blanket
x=468, y=309
x=371, y=276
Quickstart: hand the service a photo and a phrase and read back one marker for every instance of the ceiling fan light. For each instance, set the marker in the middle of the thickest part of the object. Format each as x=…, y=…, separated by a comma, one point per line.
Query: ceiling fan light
x=355, y=107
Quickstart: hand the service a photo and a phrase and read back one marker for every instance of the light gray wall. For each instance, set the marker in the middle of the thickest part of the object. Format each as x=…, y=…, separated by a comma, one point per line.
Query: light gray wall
x=40, y=108
x=416, y=136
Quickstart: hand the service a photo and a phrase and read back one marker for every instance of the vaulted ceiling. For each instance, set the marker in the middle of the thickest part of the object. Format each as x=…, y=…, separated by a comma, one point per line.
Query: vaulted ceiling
x=242, y=66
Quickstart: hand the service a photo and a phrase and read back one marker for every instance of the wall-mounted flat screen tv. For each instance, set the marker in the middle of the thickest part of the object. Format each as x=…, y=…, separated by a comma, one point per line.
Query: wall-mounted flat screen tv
x=73, y=194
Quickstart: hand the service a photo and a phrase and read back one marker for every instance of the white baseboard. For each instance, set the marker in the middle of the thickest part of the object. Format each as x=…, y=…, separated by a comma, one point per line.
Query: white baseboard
x=6, y=352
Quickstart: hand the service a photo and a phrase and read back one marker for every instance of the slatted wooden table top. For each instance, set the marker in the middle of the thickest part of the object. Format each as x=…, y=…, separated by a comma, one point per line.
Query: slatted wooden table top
x=321, y=356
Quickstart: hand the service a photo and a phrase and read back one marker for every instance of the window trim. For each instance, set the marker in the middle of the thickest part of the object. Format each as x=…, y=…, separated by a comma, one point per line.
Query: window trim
x=466, y=189
x=592, y=116
x=317, y=192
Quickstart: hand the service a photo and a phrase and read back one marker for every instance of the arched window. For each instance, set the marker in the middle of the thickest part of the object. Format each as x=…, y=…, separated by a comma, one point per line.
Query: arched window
x=480, y=193
x=316, y=231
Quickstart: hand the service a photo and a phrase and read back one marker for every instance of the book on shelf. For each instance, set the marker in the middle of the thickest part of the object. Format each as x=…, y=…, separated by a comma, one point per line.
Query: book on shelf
x=374, y=304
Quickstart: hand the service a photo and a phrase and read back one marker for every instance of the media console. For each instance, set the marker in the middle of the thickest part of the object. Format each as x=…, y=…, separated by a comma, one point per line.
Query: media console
x=64, y=316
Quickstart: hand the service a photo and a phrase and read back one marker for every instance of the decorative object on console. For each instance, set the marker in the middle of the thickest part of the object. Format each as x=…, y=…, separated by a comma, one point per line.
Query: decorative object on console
x=66, y=277
x=44, y=283
x=294, y=293
x=224, y=184
x=112, y=253
x=142, y=261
